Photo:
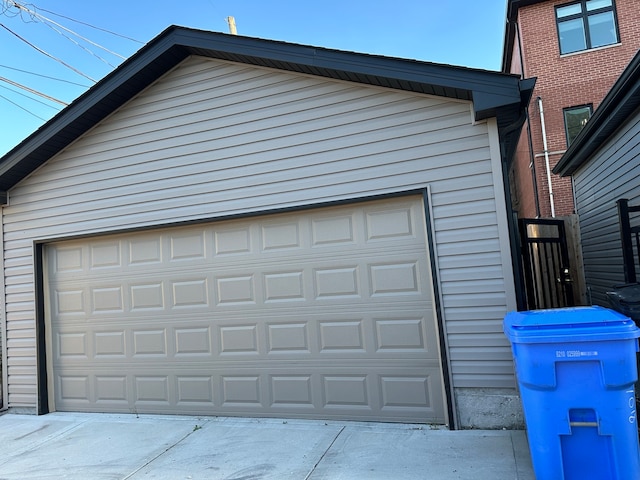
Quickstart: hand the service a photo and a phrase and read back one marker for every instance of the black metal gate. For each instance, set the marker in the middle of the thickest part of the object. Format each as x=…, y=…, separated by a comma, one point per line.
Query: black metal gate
x=546, y=264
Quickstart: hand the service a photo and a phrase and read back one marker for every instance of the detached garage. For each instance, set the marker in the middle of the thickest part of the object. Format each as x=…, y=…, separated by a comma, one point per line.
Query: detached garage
x=233, y=226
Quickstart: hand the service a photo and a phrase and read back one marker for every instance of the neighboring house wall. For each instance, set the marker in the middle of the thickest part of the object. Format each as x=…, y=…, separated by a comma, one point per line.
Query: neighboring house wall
x=213, y=139
x=563, y=81
x=612, y=173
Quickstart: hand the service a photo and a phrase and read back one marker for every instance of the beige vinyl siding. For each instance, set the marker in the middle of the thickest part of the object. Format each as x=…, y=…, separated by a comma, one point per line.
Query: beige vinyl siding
x=213, y=139
x=612, y=173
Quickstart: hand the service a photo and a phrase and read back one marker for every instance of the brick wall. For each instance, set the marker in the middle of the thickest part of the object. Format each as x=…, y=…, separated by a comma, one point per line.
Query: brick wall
x=562, y=81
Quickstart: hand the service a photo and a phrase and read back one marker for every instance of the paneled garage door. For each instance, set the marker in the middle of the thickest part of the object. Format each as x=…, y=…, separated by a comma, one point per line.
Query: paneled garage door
x=325, y=313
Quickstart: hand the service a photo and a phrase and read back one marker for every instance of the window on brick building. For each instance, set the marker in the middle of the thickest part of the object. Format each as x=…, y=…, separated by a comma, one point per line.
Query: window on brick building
x=574, y=119
x=586, y=24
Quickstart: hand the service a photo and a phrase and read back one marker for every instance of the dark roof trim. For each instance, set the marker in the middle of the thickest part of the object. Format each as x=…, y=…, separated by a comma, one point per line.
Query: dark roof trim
x=621, y=101
x=512, y=30
x=493, y=94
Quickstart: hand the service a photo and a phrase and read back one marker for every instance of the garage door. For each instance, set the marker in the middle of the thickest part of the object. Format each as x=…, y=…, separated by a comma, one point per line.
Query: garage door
x=326, y=313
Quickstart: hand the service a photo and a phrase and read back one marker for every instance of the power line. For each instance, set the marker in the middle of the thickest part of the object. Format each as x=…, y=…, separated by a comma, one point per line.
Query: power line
x=30, y=98
x=35, y=14
x=22, y=108
x=92, y=26
x=44, y=76
x=31, y=90
x=47, y=54
x=78, y=44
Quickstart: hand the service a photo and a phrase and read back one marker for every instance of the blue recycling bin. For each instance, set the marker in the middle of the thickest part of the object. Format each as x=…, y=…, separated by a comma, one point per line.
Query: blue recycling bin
x=576, y=370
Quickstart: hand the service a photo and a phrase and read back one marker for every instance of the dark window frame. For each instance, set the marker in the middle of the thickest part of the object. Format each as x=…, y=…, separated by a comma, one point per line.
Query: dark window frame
x=584, y=16
x=564, y=117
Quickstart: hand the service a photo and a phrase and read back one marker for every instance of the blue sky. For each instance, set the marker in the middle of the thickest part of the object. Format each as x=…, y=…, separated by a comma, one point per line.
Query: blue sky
x=457, y=32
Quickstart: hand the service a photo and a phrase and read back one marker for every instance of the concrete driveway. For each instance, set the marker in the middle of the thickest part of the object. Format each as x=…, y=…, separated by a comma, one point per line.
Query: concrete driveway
x=106, y=446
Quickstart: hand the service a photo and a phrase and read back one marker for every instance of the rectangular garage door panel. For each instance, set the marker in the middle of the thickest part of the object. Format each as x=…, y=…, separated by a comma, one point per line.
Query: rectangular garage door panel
x=321, y=314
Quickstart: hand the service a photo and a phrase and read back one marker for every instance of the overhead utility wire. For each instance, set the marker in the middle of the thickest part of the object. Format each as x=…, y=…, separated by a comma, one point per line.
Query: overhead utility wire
x=6, y=5
x=22, y=108
x=92, y=26
x=82, y=46
x=47, y=54
x=44, y=76
x=31, y=90
x=30, y=98
x=35, y=14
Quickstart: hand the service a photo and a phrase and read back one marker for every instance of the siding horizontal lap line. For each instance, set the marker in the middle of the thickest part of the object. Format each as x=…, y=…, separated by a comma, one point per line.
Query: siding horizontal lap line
x=279, y=160
x=20, y=333
x=610, y=158
x=478, y=367
x=21, y=319
x=223, y=118
x=20, y=249
x=466, y=222
x=26, y=375
x=470, y=273
x=484, y=286
x=478, y=193
x=471, y=247
x=226, y=131
x=468, y=260
x=19, y=298
x=22, y=307
x=479, y=233
x=503, y=361
x=222, y=123
x=170, y=152
x=256, y=114
x=21, y=343
x=476, y=381
x=461, y=183
x=21, y=357
x=470, y=326
x=463, y=209
x=336, y=161
x=22, y=379
x=470, y=374
x=18, y=289
x=18, y=280
x=127, y=207
x=22, y=272
x=485, y=299
x=495, y=350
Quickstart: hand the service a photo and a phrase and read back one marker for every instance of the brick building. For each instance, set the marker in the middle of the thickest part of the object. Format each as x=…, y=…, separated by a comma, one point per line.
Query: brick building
x=577, y=50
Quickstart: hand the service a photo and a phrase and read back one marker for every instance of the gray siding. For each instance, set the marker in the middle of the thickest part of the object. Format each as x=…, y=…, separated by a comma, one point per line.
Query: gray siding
x=612, y=173
x=212, y=139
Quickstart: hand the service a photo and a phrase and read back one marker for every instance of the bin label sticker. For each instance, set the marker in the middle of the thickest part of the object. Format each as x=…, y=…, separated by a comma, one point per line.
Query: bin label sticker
x=576, y=353
x=632, y=405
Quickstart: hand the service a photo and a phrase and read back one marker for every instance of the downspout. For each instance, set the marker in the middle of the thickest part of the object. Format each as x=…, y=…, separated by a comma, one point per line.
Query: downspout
x=546, y=157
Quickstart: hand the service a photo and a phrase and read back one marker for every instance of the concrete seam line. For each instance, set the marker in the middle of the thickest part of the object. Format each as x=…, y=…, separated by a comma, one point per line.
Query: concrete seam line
x=515, y=455
x=162, y=453
x=325, y=452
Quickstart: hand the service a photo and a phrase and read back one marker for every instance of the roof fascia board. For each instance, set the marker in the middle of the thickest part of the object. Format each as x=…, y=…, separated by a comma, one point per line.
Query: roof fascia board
x=486, y=88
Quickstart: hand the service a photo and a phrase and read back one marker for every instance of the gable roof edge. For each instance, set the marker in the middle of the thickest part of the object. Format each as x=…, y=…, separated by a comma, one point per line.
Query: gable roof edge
x=492, y=93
